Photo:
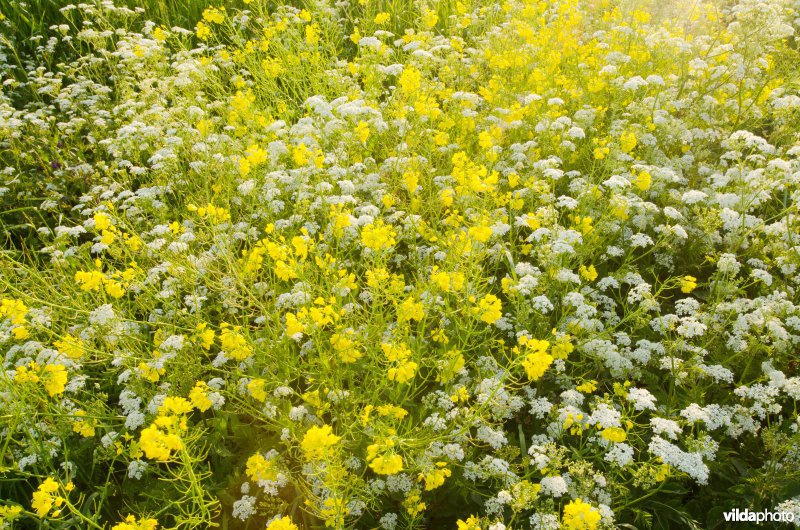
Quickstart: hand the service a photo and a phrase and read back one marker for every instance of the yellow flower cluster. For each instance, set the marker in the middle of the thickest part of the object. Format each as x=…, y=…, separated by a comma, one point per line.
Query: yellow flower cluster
x=579, y=515
x=382, y=457
x=489, y=309
x=53, y=377
x=282, y=523
x=318, y=441
x=45, y=499
x=436, y=476
x=130, y=523
x=395, y=264
x=403, y=369
x=259, y=468
x=536, y=360
x=163, y=437
x=233, y=343
x=378, y=236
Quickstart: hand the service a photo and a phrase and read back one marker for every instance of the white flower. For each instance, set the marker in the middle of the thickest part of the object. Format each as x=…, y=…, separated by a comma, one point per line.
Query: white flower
x=244, y=507
x=665, y=426
x=620, y=454
x=641, y=398
x=554, y=486
x=690, y=463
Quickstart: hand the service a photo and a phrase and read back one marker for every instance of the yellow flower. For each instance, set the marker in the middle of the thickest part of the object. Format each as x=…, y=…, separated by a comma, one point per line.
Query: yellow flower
x=362, y=131
x=300, y=155
x=562, y=347
x=579, y=515
x=27, y=374
x=410, y=310
x=44, y=499
x=404, y=369
x=346, y=348
x=54, y=378
x=244, y=167
x=430, y=18
x=257, y=389
x=101, y=221
x=317, y=442
x=601, y=152
x=392, y=411
x=387, y=464
x=255, y=155
x=450, y=366
x=536, y=364
x=202, y=31
x=588, y=387
x=485, y=140
x=411, y=180
x=284, y=271
x=435, y=477
x=382, y=18
x=378, y=236
x=471, y=176
x=489, y=309
x=442, y=280
x=334, y=510
x=215, y=15
x=284, y=523
x=537, y=360
x=643, y=181
x=688, y=284
x=70, y=346
x=89, y=281
x=216, y=214
x=312, y=35
x=627, y=141
x=81, y=426
x=588, y=273
x=661, y=473
x=158, y=444
x=234, y=344
x=614, y=434
x=259, y=468
x=131, y=523
x=133, y=242
x=14, y=310
x=300, y=247
x=293, y=325
x=472, y=523
x=403, y=372
x=204, y=335
x=480, y=233
x=446, y=197
x=410, y=80
x=413, y=503
x=114, y=288
x=199, y=396
x=20, y=333
x=584, y=224
x=175, y=405
x=9, y=513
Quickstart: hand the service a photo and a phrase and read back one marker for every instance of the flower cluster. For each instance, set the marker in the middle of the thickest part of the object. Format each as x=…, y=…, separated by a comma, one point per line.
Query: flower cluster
x=471, y=265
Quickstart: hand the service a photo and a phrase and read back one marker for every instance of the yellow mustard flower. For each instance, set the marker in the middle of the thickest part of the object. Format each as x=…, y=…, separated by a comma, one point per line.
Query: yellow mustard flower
x=318, y=441
x=579, y=515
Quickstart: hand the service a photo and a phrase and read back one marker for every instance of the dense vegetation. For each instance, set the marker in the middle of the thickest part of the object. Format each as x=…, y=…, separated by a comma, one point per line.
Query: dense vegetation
x=398, y=265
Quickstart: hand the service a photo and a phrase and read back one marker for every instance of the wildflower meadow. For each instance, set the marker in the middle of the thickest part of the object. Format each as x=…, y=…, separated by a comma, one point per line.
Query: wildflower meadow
x=399, y=264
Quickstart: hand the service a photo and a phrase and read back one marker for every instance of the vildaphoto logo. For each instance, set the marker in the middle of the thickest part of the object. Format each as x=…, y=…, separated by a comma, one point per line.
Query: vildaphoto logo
x=741, y=516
